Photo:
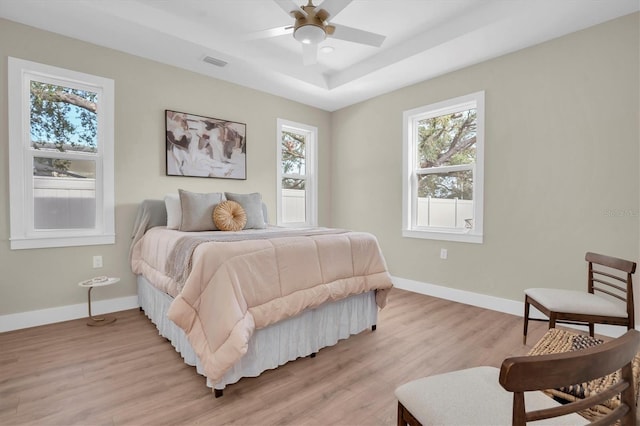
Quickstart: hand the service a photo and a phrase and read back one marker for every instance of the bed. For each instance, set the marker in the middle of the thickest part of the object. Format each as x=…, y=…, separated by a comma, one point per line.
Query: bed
x=235, y=304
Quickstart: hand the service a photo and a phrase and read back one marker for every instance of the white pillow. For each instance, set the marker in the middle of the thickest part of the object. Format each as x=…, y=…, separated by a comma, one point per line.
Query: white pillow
x=174, y=211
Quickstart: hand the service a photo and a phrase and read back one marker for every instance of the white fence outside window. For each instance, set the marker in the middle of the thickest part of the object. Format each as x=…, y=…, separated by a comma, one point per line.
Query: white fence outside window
x=64, y=203
x=435, y=212
x=293, y=206
x=70, y=203
x=444, y=212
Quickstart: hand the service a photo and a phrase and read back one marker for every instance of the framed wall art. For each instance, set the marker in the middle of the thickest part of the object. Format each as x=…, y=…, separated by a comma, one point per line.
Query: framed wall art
x=205, y=147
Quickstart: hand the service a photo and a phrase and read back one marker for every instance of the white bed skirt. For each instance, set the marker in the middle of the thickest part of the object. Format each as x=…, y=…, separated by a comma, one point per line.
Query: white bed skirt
x=271, y=346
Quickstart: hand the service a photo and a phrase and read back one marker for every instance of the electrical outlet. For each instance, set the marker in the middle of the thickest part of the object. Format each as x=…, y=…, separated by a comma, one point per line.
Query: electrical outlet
x=443, y=253
x=97, y=261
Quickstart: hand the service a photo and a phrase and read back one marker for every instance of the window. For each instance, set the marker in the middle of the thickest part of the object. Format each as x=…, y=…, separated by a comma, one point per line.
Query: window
x=61, y=157
x=297, y=184
x=443, y=170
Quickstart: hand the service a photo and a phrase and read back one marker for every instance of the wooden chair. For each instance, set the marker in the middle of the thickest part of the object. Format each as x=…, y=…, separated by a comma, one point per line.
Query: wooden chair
x=486, y=395
x=609, y=276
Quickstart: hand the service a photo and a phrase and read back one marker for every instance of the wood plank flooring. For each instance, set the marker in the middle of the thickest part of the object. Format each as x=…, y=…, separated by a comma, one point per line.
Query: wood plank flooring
x=126, y=374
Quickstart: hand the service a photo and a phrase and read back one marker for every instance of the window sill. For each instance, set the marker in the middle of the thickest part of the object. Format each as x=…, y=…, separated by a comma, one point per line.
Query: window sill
x=34, y=243
x=443, y=236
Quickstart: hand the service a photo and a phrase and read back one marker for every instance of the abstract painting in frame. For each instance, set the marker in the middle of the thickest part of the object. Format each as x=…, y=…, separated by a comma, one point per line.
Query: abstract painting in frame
x=205, y=147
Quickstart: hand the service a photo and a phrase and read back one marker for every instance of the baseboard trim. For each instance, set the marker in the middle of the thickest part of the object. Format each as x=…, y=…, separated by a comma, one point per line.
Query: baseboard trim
x=36, y=318
x=489, y=302
x=28, y=319
x=462, y=296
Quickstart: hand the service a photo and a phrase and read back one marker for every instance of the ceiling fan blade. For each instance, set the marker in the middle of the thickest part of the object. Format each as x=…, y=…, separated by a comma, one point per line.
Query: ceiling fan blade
x=333, y=7
x=269, y=33
x=355, y=35
x=309, y=54
x=289, y=6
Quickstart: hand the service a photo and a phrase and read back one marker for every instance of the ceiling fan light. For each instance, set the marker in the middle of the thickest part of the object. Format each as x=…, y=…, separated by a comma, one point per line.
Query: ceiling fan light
x=309, y=34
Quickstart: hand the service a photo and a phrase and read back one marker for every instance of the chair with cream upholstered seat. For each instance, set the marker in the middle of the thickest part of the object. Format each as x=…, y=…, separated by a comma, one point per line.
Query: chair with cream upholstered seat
x=608, y=299
x=511, y=395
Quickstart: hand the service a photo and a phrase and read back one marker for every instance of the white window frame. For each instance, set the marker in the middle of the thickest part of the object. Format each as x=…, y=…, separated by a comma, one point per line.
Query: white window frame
x=311, y=165
x=23, y=233
x=410, y=181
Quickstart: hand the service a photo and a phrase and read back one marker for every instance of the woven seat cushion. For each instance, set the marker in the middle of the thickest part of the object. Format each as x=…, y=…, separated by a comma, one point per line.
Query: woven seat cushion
x=576, y=302
x=470, y=397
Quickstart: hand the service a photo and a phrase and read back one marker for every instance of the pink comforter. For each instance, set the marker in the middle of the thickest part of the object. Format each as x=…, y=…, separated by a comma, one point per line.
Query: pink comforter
x=237, y=287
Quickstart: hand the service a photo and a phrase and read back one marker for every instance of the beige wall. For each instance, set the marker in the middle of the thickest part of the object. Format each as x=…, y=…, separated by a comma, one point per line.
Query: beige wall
x=562, y=139
x=38, y=279
x=562, y=150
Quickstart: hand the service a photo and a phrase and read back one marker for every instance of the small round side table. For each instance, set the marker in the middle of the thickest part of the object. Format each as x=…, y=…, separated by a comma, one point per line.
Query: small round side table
x=90, y=284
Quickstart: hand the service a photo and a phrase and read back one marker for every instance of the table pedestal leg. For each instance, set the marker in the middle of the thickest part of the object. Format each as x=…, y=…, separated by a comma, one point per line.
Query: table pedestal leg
x=97, y=321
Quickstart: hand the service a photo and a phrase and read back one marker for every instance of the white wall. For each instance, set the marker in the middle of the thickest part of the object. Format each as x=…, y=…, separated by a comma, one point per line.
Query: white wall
x=46, y=279
x=562, y=154
x=561, y=173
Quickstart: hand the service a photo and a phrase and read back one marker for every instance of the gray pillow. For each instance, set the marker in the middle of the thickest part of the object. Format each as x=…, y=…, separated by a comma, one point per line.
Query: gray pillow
x=197, y=210
x=252, y=205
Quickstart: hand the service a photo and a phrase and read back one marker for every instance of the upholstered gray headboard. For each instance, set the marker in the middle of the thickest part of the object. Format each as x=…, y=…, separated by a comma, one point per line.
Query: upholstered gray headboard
x=150, y=213
x=154, y=213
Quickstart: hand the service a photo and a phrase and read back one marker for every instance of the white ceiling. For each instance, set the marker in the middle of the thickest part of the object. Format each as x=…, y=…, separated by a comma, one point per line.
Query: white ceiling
x=424, y=38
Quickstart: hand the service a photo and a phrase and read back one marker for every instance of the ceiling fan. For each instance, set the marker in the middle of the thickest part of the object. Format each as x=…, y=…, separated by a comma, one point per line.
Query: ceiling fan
x=312, y=26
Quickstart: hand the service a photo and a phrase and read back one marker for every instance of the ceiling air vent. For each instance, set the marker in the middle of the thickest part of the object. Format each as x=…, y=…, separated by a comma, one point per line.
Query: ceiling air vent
x=215, y=61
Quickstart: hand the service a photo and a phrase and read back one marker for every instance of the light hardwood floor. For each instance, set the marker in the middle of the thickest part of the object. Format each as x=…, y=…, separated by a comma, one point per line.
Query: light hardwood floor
x=125, y=374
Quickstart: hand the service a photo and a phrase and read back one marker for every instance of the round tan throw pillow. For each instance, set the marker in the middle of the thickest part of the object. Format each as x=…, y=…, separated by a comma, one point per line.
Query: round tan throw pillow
x=229, y=216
